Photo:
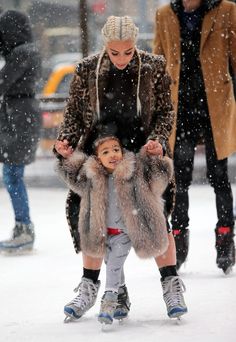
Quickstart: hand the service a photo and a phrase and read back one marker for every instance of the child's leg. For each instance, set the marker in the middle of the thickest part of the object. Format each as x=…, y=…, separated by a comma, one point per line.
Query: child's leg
x=122, y=276
x=117, y=251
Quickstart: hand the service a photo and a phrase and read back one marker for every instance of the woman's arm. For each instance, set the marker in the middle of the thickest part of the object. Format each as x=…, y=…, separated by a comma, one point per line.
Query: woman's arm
x=72, y=172
x=158, y=170
x=73, y=126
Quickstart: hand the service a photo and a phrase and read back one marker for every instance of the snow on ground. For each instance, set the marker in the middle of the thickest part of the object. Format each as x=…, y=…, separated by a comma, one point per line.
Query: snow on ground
x=35, y=287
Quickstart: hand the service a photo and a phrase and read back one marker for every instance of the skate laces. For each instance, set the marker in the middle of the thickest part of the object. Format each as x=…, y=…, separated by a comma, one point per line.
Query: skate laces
x=87, y=293
x=172, y=291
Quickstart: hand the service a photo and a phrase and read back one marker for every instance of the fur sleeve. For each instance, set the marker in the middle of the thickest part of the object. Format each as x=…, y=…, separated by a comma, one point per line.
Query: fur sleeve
x=157, y=169
x=71, y=171
x=163, y=105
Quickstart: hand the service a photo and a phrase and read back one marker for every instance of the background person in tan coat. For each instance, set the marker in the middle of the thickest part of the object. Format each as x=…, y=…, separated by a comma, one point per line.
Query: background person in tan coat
x=198, y=40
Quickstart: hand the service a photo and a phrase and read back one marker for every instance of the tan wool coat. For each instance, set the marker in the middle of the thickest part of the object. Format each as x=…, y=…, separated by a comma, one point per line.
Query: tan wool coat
x=217, y=47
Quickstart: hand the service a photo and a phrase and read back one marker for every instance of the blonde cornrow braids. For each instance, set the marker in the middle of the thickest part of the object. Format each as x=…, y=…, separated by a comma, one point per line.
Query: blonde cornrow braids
x=97, y=75
x=119, y=28
x=138, y=83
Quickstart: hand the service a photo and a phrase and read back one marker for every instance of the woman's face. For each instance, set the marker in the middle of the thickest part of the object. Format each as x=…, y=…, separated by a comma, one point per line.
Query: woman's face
x=120, y=52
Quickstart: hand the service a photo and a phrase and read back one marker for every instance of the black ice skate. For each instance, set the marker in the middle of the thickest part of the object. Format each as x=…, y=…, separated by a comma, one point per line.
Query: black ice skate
x=123, y=305
x=182, y=245
x=225, y=248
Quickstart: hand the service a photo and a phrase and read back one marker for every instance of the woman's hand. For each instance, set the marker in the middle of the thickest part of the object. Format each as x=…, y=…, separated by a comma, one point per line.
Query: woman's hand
x=154, y=148
x=63, y=148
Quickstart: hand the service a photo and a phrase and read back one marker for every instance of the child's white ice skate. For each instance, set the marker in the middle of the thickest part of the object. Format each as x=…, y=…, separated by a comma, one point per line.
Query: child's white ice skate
x=108, y=307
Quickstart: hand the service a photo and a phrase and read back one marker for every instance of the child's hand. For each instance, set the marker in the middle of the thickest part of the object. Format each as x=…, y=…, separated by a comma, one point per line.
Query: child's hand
x=63, y=148
x=154, y=148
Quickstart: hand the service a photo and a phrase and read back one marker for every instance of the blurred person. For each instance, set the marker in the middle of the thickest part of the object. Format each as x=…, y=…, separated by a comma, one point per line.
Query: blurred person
x=198, y=41
x=112, y=183
x=125, y=92
x=19, y=120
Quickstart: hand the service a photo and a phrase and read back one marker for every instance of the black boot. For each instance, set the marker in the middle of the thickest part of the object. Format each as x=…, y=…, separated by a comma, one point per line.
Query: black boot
x=123, y=306
x=182, y=245
x=225, y=248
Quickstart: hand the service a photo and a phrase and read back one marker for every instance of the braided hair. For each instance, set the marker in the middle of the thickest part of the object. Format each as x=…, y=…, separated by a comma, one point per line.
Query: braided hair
x=119, y=28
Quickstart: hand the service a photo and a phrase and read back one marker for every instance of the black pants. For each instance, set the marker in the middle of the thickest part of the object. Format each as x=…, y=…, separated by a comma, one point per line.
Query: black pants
x=189, y=132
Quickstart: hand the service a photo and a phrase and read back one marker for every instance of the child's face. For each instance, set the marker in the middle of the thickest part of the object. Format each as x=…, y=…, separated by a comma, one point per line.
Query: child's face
x=110, y=154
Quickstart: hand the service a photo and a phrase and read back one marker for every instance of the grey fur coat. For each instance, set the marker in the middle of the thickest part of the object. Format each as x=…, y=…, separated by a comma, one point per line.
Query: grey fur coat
x=140, y=181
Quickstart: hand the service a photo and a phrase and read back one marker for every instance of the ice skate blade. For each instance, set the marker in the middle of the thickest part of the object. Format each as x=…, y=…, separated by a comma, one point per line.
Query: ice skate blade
x=121, y=320
x=69, y=319
x=17, y=251
x=178, y=320
x=105, y=327
x=105, y=320
x=227, y=270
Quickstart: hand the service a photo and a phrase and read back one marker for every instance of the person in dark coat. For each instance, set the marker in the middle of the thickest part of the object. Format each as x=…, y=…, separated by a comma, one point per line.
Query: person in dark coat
x=20, y=120
x=198, y=41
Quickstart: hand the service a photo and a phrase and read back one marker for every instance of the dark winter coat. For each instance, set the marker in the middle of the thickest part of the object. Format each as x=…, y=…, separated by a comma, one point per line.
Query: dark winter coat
x=20, y=119
x=217, y=49
x=139, y=181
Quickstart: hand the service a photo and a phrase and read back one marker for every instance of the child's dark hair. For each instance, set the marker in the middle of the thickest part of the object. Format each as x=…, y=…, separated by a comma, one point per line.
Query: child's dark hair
x=101, y=140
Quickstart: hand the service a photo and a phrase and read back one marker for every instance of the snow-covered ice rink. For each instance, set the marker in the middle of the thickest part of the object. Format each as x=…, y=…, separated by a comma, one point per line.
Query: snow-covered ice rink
x=35, y=287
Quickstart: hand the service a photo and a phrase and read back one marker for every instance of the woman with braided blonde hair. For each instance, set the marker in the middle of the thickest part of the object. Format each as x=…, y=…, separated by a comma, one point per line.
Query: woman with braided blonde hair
x=124, y=92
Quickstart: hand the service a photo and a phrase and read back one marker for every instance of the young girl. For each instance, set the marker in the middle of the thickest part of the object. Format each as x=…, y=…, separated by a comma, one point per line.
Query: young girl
x=121, y=205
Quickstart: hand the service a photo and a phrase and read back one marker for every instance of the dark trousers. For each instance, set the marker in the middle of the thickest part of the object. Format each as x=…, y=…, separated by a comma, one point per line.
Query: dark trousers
x=189, y=132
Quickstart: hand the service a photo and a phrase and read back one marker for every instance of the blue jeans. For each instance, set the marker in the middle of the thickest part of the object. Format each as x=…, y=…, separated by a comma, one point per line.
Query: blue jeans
x=13, y=178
